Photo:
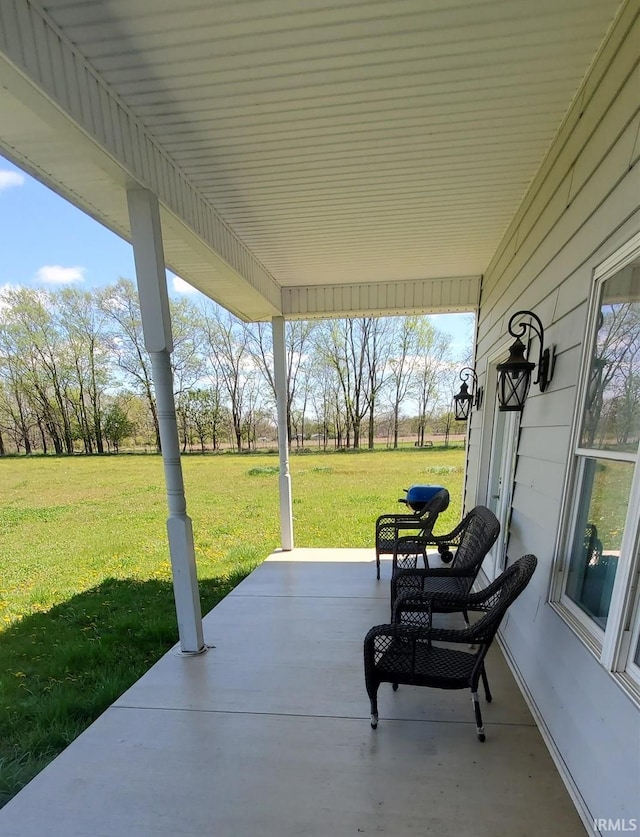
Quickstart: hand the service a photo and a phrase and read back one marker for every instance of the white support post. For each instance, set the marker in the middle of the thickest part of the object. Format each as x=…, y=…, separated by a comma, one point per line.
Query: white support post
x=146, y=234
x=280, y=377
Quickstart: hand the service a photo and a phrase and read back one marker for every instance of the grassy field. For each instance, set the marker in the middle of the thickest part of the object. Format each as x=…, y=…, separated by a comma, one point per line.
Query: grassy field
x=85, y=593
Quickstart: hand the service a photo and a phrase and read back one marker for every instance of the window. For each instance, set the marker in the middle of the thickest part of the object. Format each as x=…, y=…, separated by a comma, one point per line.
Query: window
x=602, y=509
x=601, y=545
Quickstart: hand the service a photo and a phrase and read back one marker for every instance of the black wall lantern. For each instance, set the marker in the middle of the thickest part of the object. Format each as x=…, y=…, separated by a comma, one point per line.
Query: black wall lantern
x=514, y=375
x=464, y=400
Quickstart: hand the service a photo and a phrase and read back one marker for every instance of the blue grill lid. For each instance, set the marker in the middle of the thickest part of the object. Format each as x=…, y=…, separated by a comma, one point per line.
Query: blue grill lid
x=422, y=493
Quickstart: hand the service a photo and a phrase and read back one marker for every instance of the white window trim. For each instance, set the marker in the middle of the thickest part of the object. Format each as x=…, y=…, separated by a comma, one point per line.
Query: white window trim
x=621, y=599
x=486, y=433
x=614, y=647
x=595, y=453
x=631, y=637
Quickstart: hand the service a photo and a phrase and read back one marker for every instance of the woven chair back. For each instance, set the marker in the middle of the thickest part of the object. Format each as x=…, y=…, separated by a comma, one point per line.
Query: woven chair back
x=438, y=503
x=480, y=533
x=507, y=588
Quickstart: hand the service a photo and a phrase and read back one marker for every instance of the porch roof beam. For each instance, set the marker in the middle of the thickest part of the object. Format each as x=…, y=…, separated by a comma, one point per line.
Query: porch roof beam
x=423, y=296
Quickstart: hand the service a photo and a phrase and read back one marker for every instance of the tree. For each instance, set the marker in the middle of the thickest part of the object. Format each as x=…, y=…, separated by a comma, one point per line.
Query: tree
x=83, y=327
x=121, y=306
x=298, y=339
x=204, y=410
x=39, y=369
x=65, y=354
x=433, y=372
x=322, y=393
x=343, y=348
x=402, y=365
x=117, y=426
x=378, y=350
x=229, y=357
x=189, y=339
x=15, y=412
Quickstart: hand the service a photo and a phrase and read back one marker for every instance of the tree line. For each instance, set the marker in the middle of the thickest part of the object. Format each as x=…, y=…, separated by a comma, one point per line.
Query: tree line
x=75, y=376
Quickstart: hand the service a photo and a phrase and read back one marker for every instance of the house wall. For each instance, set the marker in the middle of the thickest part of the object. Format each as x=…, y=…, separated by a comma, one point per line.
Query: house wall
x=582, y=205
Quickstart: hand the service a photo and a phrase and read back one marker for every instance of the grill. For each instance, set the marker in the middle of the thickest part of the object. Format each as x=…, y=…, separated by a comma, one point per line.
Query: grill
x=419, y=495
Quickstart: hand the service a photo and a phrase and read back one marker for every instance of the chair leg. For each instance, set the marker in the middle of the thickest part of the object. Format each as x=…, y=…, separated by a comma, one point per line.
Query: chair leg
x=476, y=708
x=465, y=616
x=374, y=709
x=377, y=565
x=485, y=683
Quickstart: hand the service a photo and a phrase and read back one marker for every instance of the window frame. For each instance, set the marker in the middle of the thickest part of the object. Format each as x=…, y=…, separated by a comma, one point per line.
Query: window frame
x=615, y=645
x=627, y=666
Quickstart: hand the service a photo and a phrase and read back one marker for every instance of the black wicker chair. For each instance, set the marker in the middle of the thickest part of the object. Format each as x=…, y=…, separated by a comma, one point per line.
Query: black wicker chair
x=389, y=526
x=472, y=539
x=413, y=654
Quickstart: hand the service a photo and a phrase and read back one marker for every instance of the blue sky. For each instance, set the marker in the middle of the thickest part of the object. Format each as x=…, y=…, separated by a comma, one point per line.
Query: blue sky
x=47, y=242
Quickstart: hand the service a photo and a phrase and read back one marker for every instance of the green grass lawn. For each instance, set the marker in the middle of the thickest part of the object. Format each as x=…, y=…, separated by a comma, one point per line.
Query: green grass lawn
x=86, y=604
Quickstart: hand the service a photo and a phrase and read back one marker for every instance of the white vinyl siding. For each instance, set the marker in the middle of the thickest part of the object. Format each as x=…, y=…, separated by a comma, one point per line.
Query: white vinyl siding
x=583, y=205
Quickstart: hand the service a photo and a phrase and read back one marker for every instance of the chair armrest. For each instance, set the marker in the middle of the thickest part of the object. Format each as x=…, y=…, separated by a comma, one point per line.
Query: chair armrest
x=453, y=537
x=416, y=523
x=390, y=519
x=429, y=603
x=412, y=633
x=434, y=600
x=482, y=598
x=412, y=602
x=443, y=542
x=417, y=542
x=411, y=581
x=437, y=572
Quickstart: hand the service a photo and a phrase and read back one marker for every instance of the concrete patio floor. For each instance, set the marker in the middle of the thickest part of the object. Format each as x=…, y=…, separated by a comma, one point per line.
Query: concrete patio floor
x=268, y=734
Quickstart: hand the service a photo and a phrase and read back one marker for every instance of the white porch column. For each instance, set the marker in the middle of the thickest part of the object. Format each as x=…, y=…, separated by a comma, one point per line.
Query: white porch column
x=280, y=377
x=146, y=234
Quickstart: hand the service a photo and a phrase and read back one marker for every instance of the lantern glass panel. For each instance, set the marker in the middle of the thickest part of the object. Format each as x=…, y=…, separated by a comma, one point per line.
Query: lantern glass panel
x=513, y=388
x=462, y=407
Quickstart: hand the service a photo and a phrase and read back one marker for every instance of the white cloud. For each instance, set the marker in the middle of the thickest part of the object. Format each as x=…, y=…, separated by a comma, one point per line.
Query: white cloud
x=55, y=274
x=10, y=178
x=182, y=287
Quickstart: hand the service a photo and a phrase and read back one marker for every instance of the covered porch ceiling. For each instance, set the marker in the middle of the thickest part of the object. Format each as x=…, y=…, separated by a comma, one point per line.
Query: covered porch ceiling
x=311, y=159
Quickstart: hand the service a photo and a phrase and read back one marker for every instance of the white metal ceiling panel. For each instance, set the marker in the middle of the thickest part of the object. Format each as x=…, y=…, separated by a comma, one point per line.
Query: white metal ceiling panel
x=340, y=144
